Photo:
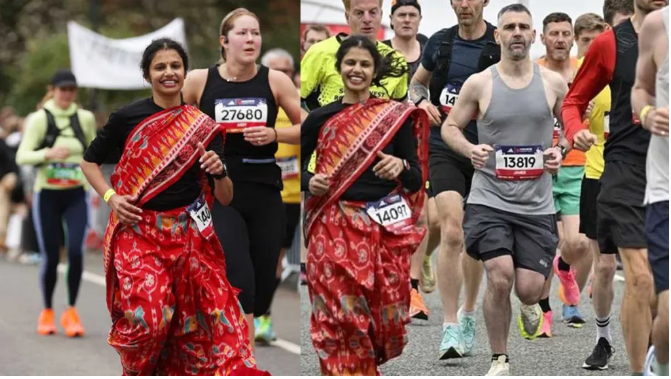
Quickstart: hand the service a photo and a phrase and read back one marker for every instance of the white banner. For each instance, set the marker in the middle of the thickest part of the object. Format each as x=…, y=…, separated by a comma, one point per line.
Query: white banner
x=101, y=62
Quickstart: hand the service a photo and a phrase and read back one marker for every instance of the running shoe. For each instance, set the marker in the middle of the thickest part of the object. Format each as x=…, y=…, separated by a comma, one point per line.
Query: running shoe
x=572, y=316
x=600, y=356
x=546, y=329
x=70, y=322
x=417, y=308
x=467, y=328
x=45, y=323
x=427, y=282
x=530, y=321
x=451, y=345
x=569, y=292
x=263, y=330
x=499, y=367
x=650, y=360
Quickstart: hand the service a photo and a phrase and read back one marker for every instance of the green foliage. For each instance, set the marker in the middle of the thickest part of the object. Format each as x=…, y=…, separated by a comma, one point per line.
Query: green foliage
x=34, y=42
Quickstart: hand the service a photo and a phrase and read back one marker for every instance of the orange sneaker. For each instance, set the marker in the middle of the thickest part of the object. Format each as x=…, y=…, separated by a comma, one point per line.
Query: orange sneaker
x=45, y=323
x=70, y=322
x=417, y=308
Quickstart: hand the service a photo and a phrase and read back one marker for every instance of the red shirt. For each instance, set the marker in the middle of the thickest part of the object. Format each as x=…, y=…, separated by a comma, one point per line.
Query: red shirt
x=593, y=76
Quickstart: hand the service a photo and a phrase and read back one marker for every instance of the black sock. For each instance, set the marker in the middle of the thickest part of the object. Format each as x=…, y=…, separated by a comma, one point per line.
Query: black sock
x=496, y=357
x=415, y=284
x=563, y=266
x=303, y=268
x=545, y=304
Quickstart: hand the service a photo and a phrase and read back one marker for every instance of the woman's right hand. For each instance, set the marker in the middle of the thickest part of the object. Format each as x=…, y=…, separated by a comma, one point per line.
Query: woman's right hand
x=57, y=153
x=319, y=185
x=127, y=213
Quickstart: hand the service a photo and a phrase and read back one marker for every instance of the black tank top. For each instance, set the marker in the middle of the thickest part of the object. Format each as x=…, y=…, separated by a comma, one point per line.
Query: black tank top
x=236, y=105
x=627, y=140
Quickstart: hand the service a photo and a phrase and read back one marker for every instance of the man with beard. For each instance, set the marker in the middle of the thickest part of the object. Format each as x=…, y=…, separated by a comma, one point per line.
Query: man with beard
x=652, y=87
x=611, y=60
x=510, y=221
x=451, y=56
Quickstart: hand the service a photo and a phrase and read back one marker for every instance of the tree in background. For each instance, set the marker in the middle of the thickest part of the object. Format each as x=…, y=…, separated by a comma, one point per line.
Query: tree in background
x=34, y=42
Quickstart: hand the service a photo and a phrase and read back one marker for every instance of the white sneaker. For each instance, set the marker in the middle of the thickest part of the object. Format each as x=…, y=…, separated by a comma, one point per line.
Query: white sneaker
x=499, y=367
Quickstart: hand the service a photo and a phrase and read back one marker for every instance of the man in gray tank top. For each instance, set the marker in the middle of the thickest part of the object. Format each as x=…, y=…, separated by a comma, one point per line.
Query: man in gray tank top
x=510, y=221
x=650, y=99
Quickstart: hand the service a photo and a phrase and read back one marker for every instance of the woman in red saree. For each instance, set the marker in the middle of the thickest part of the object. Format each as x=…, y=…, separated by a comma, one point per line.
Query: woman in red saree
x=173, y=309
x=361, y=218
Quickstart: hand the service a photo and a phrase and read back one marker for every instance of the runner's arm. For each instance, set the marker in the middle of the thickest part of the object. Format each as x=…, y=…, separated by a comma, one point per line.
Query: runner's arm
x=643, y=92
x=561, y=89
x=289, y=100
x=405, y=147
x=309, y=135
x=311, y=72
x=96, y=154
x=34, y=132
x=461, y=114
x=419, y=84
x=593, y=76
x=194, y=84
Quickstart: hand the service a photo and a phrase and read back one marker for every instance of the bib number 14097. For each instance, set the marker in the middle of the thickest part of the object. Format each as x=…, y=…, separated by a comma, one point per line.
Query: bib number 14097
x=392, y=212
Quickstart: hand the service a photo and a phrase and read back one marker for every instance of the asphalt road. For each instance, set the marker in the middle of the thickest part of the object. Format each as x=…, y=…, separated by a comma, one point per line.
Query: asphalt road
x=24, y=352
x=561, y=355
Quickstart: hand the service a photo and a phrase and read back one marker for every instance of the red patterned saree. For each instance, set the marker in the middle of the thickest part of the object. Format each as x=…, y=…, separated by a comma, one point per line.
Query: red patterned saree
x=173, y=310
x=358, y=271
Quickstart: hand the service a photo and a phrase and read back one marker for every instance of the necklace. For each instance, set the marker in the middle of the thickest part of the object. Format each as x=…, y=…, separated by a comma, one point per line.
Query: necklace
x=232, y=79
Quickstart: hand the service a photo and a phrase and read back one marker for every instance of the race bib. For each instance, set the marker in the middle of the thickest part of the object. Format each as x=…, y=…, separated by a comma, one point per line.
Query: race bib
x=519, y=162
x=200, y=213
x=606, y=124
x=64, y=174
x=289, y=167
x=449, y=97
x=392, y=212
x=236, y=114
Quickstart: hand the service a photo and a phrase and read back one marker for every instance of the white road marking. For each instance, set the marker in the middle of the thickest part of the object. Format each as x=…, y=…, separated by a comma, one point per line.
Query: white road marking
x=100, y=280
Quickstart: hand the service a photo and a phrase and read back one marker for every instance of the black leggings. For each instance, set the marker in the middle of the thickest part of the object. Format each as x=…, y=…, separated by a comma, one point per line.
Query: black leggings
x=251, y=231
x=49, y=209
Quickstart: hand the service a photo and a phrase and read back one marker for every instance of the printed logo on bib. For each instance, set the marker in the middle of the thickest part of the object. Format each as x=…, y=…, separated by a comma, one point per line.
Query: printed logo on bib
x=392, y=212
x=449, y=97
x=200, y=213
x=64, y=174
x=236, y=114
x=289, y=167
x=519, y=162
x=606, y=124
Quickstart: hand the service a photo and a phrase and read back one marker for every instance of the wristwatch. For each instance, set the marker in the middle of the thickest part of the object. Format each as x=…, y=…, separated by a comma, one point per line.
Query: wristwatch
x=564, y=151
x=406, y=165
x=421, y=98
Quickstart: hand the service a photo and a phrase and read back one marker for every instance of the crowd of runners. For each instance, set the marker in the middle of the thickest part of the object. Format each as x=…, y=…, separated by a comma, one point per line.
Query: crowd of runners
x=509, y=168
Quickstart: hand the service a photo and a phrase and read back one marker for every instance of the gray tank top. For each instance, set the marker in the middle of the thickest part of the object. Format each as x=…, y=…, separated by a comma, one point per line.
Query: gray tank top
x=657, y=163
x=513, y=119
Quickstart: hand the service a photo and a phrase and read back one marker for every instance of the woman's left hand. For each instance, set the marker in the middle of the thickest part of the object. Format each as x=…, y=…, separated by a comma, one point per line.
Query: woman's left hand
x=389, y=167
x=259, y=135
x=210, y=161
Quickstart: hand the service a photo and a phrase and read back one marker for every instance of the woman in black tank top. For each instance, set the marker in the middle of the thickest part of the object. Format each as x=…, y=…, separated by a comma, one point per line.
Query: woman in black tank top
x=244, y=98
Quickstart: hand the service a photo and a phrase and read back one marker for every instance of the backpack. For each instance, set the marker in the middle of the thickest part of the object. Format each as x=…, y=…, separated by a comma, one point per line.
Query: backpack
x=491, y=54
x=53, y=132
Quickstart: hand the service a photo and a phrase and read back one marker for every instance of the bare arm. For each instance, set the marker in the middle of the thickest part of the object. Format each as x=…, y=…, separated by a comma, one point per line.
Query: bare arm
x=419, y=84
x=462, y=113
x=290, y=101
x=194, y=84
x=95, y=177
x=643, y=91
x=561, y=89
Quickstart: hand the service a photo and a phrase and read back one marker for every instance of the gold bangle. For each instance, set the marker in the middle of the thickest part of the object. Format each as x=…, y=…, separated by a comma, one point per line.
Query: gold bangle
x=110, y=192
x=644, y=113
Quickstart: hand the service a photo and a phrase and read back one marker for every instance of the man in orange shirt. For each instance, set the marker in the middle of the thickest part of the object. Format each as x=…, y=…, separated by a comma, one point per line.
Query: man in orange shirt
x=558, y=37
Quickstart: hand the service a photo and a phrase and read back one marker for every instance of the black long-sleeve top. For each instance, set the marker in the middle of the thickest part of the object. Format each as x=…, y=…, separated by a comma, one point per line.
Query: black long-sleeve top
x=367, y=187
x=112, y=139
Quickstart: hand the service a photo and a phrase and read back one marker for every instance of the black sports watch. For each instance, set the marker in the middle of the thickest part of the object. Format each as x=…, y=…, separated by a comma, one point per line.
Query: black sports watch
x=564, y=150
x=421, y=98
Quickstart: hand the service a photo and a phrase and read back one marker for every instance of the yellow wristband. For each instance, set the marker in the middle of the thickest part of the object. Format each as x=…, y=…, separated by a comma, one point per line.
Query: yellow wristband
x=644, y=113
x=110, y=192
